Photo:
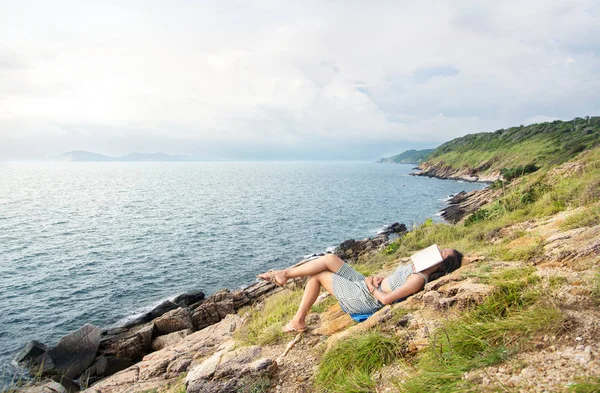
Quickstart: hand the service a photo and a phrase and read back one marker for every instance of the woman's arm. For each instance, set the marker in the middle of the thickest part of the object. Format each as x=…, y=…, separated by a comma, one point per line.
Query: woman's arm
x=414, y=283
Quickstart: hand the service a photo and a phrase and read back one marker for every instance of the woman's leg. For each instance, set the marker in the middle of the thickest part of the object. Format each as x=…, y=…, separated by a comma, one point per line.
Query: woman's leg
x=311, y=292
x=326, y=263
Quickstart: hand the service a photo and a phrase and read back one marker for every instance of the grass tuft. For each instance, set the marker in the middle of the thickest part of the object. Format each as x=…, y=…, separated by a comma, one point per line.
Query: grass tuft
x=586, y=385
x=264, y=325
x=487, y=335
x=348, y=366
x=587, y=218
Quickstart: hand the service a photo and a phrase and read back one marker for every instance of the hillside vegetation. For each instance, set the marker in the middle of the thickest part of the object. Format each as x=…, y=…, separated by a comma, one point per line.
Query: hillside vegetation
x=527, y=301
x=408, y=157
x=539, y=145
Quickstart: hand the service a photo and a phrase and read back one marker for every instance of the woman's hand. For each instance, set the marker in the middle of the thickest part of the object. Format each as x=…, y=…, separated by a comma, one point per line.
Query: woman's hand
x=370, y=284
x=373, y=283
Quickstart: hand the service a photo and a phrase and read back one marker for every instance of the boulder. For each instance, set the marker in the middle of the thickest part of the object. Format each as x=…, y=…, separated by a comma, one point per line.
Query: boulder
x=53, y=387
x=210, y=313
x=103, y=367
x=217, y=306
x=352, y=249
x=131, y=348
x=169, y=339
x=174, y=320
x=189, y=298
x=75, y=352
x=31, y=353
x=230, y=371
x=156, y=312
x=43, y=386
x=131, y=344
x=394, y=228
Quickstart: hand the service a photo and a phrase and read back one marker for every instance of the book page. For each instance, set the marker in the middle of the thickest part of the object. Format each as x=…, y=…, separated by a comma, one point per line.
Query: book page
x=426, y=258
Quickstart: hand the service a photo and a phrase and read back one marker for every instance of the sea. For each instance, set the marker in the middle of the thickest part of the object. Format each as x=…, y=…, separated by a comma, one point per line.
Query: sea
x=102, y=242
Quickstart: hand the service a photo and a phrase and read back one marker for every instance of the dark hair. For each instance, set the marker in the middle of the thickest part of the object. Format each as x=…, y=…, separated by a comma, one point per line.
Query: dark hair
x=450, y=264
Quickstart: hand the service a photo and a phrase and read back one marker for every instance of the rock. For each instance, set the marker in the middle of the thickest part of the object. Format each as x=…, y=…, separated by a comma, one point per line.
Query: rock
x=75, y=352
x=464, y=203
x=169, y=339
x=42, y=386
x=203, y=372
x=178, y=366
x=129, y=345
x=130, y=348
x=442, y=171
x=189, y=298
x=173, y=321
x=145, y=333
x=394, y=228
x=156, y=312
x=217, y=306
x=32, y=350
x=103, y=367
x=53, y=387
x=153, y=368
x=229, y=371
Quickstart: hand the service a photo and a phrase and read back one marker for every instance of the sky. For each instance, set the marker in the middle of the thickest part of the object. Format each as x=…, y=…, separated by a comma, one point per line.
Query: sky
x=261, y=80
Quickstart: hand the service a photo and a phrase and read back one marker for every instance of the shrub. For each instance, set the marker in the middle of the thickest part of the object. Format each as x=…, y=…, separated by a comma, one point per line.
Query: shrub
x=512, y=173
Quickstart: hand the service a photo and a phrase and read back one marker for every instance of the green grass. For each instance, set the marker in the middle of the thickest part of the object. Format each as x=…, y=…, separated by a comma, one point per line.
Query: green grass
x=264, y=326
x=557, y=281
x=586, y=218
x=254, y=385
x=586, y=385
x=324, y=305
x=487, y=335
x=596, y=287
x=514, y=289
x=349, y=365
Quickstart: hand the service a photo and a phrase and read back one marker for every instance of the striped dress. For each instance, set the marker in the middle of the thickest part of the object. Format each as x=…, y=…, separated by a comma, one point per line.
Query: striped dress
x=351, y=291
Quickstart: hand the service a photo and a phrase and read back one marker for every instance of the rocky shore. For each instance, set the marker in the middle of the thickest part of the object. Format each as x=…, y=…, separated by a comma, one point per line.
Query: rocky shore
x=85, y=357
x=442, y=171
x=465, y=203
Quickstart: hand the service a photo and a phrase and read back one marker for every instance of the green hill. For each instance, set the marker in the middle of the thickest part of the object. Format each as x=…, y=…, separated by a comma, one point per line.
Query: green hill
x=540, y=145
x=408, y=157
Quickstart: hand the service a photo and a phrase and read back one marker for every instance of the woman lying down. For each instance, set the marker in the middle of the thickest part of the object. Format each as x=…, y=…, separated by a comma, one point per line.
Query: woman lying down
x=358, y=295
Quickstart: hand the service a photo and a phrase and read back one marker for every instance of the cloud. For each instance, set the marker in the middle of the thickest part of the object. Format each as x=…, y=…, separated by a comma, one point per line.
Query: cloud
x=308, y=78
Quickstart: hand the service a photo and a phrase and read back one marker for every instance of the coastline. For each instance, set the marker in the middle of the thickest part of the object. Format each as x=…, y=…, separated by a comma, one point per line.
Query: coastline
x=91, y=354
x=533, y=256
x=464, y=203
x=441, y=171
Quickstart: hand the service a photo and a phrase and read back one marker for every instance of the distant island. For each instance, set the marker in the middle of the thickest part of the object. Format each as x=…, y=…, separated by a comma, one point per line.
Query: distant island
x=86, y=156
x=408, y=157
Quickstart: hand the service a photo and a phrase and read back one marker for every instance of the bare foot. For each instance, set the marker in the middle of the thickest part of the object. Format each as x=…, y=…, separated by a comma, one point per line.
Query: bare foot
x=292, y=326
x=277, y=277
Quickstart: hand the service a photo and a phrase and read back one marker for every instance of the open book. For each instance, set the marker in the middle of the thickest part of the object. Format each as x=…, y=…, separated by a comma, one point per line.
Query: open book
x=426, y=258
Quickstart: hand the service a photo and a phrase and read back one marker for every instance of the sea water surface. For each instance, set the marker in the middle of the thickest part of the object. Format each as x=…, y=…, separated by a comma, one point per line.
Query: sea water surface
x=100, y=242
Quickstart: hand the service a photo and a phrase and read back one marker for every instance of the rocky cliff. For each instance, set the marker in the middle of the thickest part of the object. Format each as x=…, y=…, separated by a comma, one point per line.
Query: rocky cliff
x=442, y=171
